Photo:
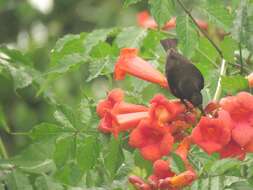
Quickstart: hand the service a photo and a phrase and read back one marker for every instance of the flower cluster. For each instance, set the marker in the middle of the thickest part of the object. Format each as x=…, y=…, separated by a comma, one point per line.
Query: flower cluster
x=146, y=21
x=229, y=130
x=157, y=129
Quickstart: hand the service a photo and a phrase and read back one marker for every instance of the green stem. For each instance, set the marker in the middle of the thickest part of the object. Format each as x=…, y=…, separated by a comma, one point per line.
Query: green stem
x=3, y=149
x=219, y=88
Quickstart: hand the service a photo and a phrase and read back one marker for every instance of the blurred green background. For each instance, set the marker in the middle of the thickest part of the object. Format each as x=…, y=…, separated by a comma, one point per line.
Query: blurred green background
x=33, y=26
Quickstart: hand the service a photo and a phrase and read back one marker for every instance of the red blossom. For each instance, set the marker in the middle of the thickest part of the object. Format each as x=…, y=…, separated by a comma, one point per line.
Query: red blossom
x=240, y=108
x=154, y=141
x=212, y=134
x=115, y=124
x=114, y=96
x=124, y=107
x=129, y=63
x=163, y=111
x=145, y=20
x=232, y=150
x=250, y=80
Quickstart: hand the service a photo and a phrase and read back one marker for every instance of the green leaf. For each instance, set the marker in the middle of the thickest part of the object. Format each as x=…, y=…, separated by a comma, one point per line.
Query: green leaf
x=131, y=37
x=85, y=111
x=142, y=163
x=217, y=13
x=188, y=38
x=19, y=72
x=114, y=157
x=69, y=44
x=87, y=152
x=98, y=67
x=65, y=116
x=161, y=10
x=130, y=2
x=36, y=153
x=103, y=50
x=70, y=174
x=228, y=47
x=233, y=84
x=205, y=54
x=66, y=63
x=220, y=167
x=64, y=150
x=46, y=183
x=47, y=130
x=241, y=185
x=17, y=180
x=96, y=37
x=177, y=164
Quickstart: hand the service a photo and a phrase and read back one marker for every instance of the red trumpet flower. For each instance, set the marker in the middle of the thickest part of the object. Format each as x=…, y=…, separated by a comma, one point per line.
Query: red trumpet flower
x=154, y=141
x=163, y=111
x=114, y=96
x=129, y=63
x=240, y=108
x=212, y=134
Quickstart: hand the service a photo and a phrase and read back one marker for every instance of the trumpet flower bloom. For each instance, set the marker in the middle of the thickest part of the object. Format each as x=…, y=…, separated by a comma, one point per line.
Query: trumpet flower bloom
x=129, y=63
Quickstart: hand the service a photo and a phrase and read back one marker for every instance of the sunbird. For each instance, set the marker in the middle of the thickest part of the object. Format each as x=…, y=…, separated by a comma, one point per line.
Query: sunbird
x=184, y=79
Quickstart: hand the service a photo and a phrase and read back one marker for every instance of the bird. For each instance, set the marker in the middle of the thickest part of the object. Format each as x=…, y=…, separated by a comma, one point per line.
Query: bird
x=183, y=77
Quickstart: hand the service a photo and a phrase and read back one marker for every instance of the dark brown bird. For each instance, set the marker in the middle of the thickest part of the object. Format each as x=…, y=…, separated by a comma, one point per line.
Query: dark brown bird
x=185, y=80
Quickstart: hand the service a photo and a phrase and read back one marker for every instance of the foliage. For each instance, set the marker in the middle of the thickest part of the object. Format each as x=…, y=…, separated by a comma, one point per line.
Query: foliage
x=66, y=151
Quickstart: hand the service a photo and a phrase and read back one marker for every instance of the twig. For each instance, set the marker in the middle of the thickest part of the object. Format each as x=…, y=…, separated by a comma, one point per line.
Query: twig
x=222, y=73
x=201, y=30
x=241, y=60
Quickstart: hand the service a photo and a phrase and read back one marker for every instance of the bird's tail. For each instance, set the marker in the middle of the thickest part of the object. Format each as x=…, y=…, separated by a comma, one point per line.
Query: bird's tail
x=169, y=44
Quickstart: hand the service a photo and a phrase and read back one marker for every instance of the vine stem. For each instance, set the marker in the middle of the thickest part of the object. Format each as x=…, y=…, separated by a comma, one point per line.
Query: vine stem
x=200, y=29
x=241, y=59
x=2, y=147
x=219, y=88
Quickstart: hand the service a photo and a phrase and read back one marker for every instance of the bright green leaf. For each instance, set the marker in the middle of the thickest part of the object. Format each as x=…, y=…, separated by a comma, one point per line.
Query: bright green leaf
x=233, y=84
x=228, y=47
x=46, y=183
x=85, y=111
x=241, y=185
x=188, y=38
x=18, y=180
x=131, y=37
x=161, y=10
x=220, y=167
x=130, y=2
x=177, y=164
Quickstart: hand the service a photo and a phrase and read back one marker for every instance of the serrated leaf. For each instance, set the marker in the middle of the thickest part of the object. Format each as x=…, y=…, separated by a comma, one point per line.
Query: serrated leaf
x=131, y=37
x=188, y=38
x=46, y=183
x=35, y=153
x=64, y=150
x=114, y=157
x=241, y=185
x=161, y=10
x=70, y=174
x=95, y=37
x=65, y=116
x=85, y=111
x=87, y=152
x=228, y=47
x=103, y=50
x=98, y=67
x=217, y=13
x=130, y=2
x=47, y=130
x=177, y=164
x=18, y=180
x=220, y=167
x=45, y=166
x=66, y=63
x=233, y=84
